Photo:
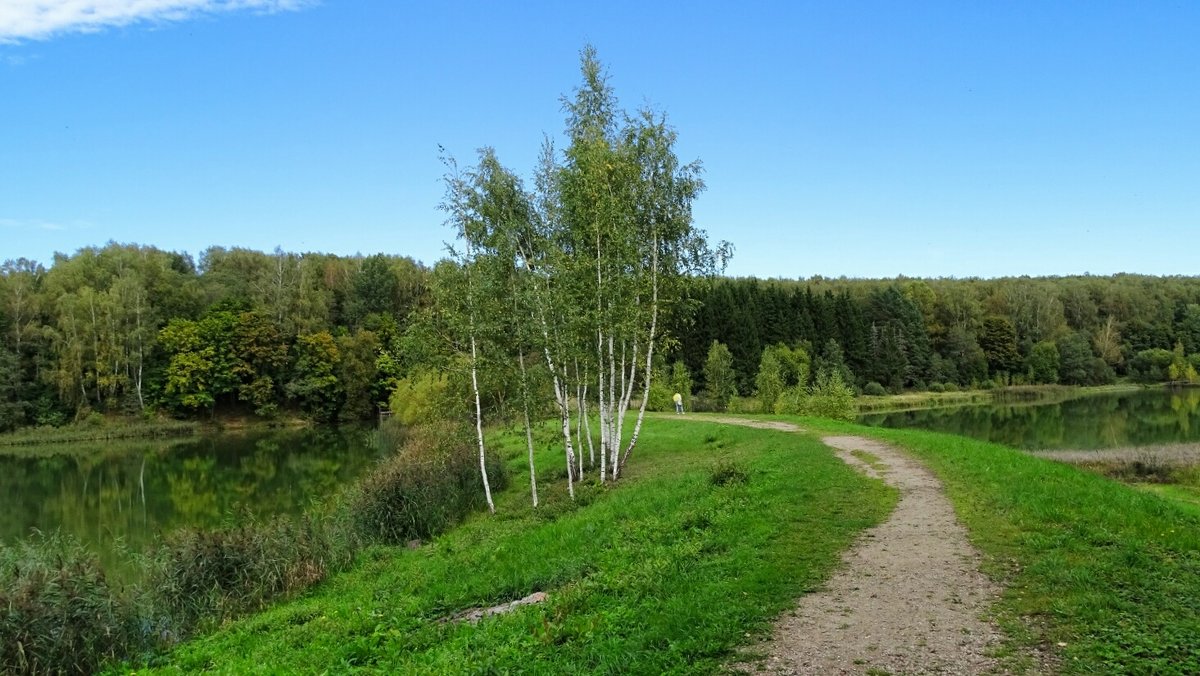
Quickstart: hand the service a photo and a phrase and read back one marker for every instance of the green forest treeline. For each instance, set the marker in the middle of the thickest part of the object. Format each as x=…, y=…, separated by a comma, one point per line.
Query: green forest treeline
x=940, y=333
x=132, y=329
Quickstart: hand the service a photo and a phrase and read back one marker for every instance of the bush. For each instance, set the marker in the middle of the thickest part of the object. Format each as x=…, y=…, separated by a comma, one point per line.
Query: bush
x=196, y=576
x=952, y=387
x=874, y=389
x=832, y=398
x=660, y=395
x=792, y=401
x=829, y=397
x=744, y=405
x=421, y=398
x=58, y=612
x=987, y=384
x=429, y=486
x=937, y=387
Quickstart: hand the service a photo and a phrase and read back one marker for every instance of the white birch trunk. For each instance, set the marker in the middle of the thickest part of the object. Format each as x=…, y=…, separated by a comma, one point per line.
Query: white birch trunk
x=626, y=397
x=487, y=488
x=587, y=430
x=564, y=408
x=528, y=429
x=564, y=412
x=614, y=443
x=579, y=420
x=637, y=427
x=141, y=355
x=601, y=406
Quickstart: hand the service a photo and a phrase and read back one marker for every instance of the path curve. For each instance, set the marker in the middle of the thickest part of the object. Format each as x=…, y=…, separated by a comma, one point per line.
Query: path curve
x=909, y=598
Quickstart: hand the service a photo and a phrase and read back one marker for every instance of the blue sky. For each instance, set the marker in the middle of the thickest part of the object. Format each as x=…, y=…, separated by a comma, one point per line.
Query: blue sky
x=839, y=138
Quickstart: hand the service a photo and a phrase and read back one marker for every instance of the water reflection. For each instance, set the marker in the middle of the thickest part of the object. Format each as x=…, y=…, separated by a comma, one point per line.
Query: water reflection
x=1141, y=418
x=125, y=494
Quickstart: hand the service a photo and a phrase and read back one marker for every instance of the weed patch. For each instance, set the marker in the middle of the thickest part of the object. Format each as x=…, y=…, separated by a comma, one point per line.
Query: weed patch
x=59, y=613
x=199, y=577
x=727, y=472
x=428, y=486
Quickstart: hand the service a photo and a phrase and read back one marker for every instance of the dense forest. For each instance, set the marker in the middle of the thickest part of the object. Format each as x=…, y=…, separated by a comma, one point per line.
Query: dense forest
x=132, y=329
x=939, y=333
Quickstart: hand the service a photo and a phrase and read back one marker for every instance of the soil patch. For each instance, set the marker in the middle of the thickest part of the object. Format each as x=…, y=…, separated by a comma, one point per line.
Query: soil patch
x=747, y=422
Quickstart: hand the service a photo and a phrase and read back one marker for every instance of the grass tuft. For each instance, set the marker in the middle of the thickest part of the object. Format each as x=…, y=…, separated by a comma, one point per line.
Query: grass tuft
x=727, y=472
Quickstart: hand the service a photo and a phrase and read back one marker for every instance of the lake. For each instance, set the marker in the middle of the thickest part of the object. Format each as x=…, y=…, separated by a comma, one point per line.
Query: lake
x=1107, y=420
x=106, y=493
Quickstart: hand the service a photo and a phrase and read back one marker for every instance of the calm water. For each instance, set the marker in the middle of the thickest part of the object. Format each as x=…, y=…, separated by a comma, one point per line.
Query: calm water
x=131, y=492
x=1142, y=418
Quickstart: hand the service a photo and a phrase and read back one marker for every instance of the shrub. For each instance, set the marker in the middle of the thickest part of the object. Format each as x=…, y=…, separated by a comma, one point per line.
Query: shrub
x=58, y=612
x=744, y=405
x=430, y=485
x=196, y=576
x=420, y=398
x=660, y=395
x=874, y=389
x=987, y=384
x=831, y=397
x=937, y=387
x=792, y=401
x=952, y=387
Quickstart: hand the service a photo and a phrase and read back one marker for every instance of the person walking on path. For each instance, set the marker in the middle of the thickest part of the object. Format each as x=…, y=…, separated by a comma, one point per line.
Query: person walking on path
x=678, y=399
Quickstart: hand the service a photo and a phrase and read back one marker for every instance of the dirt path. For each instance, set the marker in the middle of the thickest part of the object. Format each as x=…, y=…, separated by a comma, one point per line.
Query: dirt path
x=747, y=422
x=909, y=597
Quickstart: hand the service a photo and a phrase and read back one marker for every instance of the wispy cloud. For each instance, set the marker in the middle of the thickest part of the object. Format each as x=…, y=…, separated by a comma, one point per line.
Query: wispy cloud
x=41, y=19
x=27, y=225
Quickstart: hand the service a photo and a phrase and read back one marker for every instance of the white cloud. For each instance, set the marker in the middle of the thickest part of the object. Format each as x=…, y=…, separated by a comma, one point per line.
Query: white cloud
x=16, y=224
x=42, y=19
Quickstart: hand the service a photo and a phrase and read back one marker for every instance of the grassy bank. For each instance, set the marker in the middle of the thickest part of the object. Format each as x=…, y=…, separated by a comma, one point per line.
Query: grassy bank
x=1101, y=574
x=117, y=428
x=910, y=401
x=100, y=429
x=1174, y=475
x=712, y=533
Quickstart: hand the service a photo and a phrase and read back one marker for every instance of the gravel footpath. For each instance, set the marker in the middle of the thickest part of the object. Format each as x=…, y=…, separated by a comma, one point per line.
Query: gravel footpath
x=909, y=598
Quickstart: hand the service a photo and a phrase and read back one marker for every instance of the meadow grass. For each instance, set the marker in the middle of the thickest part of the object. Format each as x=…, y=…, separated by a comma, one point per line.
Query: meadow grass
x=99, y=429
x=1031, y=394
x=713, y=531
x=1104, y=577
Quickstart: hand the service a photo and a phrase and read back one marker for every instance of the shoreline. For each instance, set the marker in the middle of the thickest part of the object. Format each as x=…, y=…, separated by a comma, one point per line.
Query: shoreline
x=919, y=401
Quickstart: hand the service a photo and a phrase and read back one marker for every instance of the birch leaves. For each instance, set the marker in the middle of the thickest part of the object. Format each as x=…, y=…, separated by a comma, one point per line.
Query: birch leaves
x=578, y=275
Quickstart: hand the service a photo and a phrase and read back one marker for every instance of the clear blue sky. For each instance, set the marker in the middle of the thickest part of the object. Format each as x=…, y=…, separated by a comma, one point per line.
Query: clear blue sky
x=838, y=138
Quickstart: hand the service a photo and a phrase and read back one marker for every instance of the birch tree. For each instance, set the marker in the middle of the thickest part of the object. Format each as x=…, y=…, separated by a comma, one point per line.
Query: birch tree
x=583, y=269
x=466, y=309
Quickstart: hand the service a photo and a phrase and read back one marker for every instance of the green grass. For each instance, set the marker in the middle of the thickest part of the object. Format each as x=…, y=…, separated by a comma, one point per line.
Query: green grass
x=1185, y=497
x=911, y=401
x=1110, y=571
x=713, y=531
x=99, y=429
x=870, y=459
